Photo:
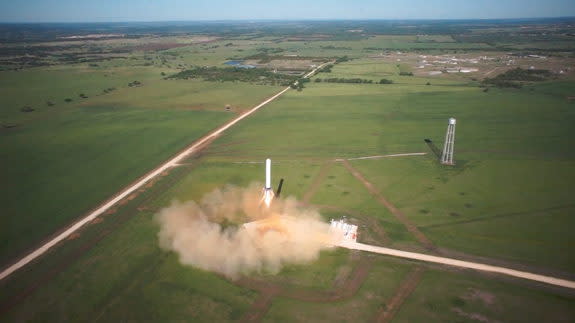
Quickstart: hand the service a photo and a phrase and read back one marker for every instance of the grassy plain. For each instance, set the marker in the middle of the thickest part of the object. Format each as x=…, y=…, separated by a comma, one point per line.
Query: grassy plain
x=508, y=197
x=513, y=158
x=59, y=161
x=125, y=277
x=457, y=297
x=382, y=281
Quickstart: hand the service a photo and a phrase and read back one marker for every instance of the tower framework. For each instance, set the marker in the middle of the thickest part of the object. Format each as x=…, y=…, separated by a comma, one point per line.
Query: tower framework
x=447, y=156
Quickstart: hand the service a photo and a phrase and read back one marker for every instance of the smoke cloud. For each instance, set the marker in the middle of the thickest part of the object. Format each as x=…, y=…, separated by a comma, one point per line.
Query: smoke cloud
x=206, y=235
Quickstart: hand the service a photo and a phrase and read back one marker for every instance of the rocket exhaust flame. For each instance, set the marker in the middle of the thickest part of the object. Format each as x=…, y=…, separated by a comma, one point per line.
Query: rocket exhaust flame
x=268, y=197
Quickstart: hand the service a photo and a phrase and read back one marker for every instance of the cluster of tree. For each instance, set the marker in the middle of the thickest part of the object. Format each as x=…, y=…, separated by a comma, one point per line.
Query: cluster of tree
x=334, y=47
x=299, y=84
x=67, y=100
x=135, y=83
x=406, y=73
x=231, y=74
x=352, y=80
x=26, y=109
x=8, y=125
x=270, y=50
x=503, y=84
x=344, y=80
x=326, y=69
x=342, y=59
x=514, y=78
x=519, y=74
x=25, y=55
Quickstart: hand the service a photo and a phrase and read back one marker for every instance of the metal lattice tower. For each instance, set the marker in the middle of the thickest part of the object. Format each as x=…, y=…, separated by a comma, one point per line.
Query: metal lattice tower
x=447, y=156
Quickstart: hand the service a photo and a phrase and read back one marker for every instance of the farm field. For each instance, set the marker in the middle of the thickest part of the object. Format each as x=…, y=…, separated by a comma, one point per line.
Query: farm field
x=91, y=147
x=507, y=201
x=396, y=118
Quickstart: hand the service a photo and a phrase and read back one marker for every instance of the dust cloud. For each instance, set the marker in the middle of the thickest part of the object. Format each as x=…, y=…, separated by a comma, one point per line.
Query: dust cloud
x=206, y=235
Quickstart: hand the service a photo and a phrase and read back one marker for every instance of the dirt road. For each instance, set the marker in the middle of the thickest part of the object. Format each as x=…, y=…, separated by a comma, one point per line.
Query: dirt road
x=269, y=290
x=317, y=182
x=406, y=287
x=460, y=263
x=135, y=186
x=394, y=210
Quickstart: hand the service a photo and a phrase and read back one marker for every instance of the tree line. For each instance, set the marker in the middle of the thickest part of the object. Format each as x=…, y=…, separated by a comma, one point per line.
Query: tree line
x=352, y=80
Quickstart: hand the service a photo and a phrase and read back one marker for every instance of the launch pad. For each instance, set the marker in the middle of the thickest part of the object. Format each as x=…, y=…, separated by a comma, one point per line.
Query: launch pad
x=340, y=231
x=347, y=231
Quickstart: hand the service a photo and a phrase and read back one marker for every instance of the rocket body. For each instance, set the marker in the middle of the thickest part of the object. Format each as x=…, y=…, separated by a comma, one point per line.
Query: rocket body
x=268, y=174
x=268, y=191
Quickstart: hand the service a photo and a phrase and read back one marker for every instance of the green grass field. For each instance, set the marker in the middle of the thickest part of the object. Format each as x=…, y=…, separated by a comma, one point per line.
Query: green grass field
x=456, y=297
x=61, y=161
x=507, y=199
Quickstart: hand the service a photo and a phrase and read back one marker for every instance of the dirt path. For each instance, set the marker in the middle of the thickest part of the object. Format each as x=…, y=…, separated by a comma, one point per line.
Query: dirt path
x=395, y=211
x=270, y=290
x=260, y=307
x=135, y=186
x=348, y=289
x=320, y=177
x=460, y=263
x=406, y=287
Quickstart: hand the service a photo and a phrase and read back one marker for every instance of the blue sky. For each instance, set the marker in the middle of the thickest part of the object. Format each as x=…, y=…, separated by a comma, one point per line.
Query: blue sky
x=165, y=10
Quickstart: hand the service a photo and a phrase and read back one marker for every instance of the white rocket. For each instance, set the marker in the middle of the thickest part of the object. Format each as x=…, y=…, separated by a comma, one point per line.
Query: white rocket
x=268, y=191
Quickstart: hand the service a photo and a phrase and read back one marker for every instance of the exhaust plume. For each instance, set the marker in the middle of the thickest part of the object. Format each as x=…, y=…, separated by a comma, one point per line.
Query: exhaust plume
x=201, y=234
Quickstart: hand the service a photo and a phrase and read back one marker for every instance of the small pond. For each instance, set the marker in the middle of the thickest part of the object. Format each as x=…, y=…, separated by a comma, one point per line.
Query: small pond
x=239, y=64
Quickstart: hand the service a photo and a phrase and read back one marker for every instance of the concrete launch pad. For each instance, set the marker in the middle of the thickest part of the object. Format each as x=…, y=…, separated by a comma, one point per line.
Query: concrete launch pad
x=340, y=228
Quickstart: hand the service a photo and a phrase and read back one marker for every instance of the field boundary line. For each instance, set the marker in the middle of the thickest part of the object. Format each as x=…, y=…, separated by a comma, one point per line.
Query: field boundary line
x=380, y=156
x=141, y=182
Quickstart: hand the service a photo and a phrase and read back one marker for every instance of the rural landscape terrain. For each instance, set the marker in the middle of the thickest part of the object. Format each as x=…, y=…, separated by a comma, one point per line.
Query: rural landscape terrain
x=105, y=125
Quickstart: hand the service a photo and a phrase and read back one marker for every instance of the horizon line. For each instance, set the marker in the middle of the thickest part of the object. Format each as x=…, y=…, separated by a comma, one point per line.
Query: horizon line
x=248, y=20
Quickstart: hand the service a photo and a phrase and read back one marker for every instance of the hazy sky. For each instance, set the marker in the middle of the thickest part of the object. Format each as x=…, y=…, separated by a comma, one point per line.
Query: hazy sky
x=163, y=10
